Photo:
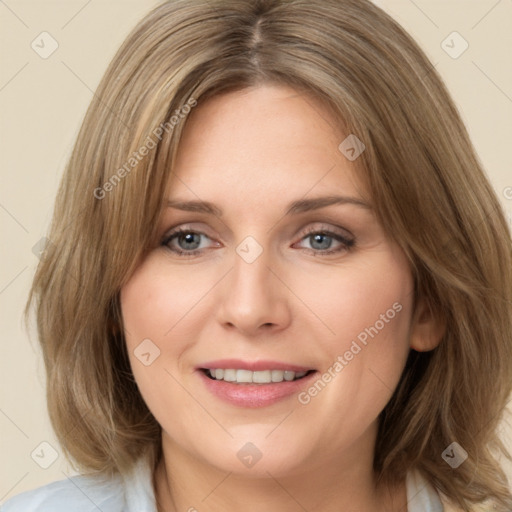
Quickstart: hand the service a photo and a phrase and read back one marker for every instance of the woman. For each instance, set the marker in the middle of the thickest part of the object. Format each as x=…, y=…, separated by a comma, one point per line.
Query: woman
x=277, y=277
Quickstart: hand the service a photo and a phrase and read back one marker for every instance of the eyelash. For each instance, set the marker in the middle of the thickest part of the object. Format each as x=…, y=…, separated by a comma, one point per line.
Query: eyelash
x=346, y=243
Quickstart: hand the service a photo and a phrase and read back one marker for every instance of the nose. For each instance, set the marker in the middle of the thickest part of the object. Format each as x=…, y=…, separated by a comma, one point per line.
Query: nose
x=254, y=298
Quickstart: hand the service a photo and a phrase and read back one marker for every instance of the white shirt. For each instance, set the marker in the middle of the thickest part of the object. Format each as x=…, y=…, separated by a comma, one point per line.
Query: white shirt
x=133, y=492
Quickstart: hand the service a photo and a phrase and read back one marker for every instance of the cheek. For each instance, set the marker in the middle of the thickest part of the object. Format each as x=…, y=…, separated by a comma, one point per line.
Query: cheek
x=363, y=338
x=168, y=308
x=155, y=301
x=360, y=302
x=152, y=310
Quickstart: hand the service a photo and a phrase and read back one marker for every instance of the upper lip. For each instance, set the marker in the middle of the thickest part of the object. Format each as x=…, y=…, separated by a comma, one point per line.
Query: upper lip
x=238, y=364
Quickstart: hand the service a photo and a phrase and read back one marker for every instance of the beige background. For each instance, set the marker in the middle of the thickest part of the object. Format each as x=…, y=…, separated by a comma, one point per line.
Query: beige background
x=43, y=101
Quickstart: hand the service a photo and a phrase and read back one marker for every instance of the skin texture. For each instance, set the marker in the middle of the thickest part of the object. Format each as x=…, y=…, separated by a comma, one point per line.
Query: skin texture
x=252, y=153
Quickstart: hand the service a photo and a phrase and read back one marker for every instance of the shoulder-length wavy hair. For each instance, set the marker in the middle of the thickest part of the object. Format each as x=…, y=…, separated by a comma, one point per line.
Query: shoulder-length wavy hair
x=426, y=184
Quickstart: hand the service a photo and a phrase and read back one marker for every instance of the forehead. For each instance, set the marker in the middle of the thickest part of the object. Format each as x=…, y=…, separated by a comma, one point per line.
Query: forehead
x=266, y=143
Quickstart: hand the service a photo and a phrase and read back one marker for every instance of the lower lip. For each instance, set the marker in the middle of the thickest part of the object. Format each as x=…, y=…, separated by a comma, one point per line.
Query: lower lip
x=254, y=395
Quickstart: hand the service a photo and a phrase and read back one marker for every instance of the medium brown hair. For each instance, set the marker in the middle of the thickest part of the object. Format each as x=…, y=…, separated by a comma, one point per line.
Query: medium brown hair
x=426, y=185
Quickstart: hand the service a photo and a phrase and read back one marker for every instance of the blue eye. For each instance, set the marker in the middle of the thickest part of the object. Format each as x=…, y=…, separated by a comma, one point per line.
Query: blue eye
x=191, y=240
x=186, y=242
x=321, y=241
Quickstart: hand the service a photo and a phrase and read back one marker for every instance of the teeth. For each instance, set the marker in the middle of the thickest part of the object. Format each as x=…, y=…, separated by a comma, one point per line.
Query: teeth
x=243, y=376
x=277, y=375
x=259, y=377
x=230, y=375
x=263, y=377
x=289, y=375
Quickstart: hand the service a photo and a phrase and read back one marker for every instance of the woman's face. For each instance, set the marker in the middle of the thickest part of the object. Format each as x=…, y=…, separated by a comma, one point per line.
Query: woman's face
x=267, y=282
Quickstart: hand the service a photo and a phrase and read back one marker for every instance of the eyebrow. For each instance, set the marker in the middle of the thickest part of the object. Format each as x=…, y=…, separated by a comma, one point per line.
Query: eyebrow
x=299, y=206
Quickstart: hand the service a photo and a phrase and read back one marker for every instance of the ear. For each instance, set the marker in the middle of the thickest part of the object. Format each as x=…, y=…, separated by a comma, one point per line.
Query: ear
x=427, y=328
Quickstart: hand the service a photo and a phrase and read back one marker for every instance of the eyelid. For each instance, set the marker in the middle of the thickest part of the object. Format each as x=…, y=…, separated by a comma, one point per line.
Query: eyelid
x=186, y=227
x=314, y=228
x=347, y=243
x=183, y=228
x=311, y=227
x=344, y=236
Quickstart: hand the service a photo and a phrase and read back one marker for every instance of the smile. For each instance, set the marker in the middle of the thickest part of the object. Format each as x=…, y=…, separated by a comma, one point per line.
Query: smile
x=241, y=376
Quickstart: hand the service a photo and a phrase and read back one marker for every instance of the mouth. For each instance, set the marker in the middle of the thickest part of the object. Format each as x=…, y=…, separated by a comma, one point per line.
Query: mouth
x=262, y=377
x=254, y=384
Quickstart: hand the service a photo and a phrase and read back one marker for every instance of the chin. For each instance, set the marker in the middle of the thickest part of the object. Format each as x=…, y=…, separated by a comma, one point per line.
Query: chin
x=250, y=453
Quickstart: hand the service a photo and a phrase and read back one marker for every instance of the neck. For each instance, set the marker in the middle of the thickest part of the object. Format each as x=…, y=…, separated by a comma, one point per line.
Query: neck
x=184, y=483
